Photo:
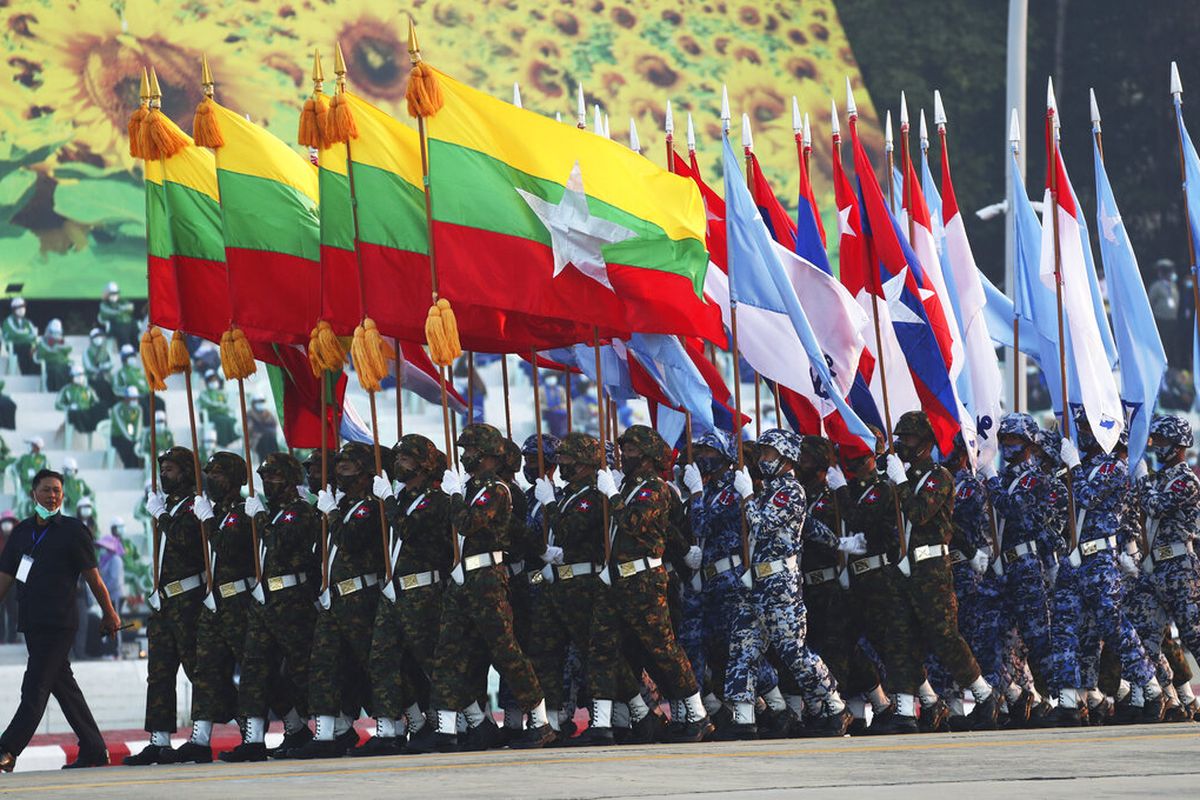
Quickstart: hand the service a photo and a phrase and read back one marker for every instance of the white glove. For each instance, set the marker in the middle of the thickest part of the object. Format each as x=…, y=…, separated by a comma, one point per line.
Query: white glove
x=743, y=484
x=543, y=491
x=618, y=476
x=381, y=487
x=154, y=601
x=1128, y=564
x=1141, y=470
x=254, y=506
x=606, y=483
x=895, y=469
x=156, y=504
x=326, y=501
x=979, y=561
x=453, y=483
x=693, y=557
x=202, y=508
x=835, y=478
x=692, y=480
x=987, y=469
x=553, y=555
x=1069, y=453
x=854, y=545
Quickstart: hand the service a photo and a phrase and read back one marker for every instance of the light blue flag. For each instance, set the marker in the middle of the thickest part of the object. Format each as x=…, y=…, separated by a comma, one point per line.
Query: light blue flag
x=757, y=279
x=998, y=312
x=1191, y=190
x=1143, y=360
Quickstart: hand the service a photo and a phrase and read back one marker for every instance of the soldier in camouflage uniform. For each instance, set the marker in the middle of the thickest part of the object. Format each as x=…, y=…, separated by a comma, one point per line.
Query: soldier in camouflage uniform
x=175, y=608
x=1087, y=608
x=221, y=633
x=477, y=623
x=775, y=615
x=636, y=599
x=834, y=625
x=280, y=631
x=926, y=493
x=341, y=649
x=406, y=622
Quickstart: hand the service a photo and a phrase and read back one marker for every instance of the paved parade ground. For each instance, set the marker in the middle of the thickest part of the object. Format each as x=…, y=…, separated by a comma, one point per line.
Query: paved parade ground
x=1150, y=761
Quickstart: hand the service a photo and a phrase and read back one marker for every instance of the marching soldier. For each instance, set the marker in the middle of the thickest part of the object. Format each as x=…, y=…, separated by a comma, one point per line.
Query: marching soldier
x=523, y=561
x=280, y=630
x=176, y=607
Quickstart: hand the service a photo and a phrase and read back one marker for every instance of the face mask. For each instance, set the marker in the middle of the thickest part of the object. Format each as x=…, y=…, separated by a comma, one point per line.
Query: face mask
x=709, y=465
x=1163, y=454
x=212, y=387
x=404, y=475
x=473, y=463
x=770, y=468
x=1011, y=452
x=80, y=380
x=20, y=312
x=85, y=512
x=97, y=342
x=43, y=512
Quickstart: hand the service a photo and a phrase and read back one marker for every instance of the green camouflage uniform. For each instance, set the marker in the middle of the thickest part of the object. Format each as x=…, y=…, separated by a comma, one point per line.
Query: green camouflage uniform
x=215, y=406
x=81, y=405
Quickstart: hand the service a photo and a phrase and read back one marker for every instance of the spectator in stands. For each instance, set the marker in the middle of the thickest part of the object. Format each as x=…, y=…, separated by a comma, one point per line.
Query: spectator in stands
x=129, y=374
x=54, y=354
x=32, y=462
x=116, y=316
x=6, y=460
x=85, y=512
x=98, y=364
x=112, y=572
x=8, y=411
x=264, y=430
x=21, y=335
x=75, y=488
x=141, y=514
x=163, y=438
x=126, y=432
x=8, y=607
x=214, y=405
x=77, y=398
x=208, y=445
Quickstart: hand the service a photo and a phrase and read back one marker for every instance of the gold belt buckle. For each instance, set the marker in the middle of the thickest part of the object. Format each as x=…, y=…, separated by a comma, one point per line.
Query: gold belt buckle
x=815, y=576
x=347, y=586
x=763, y=570
x=627, y=570
x=173, y=589
x=228, y=589
x=710, y=571
x=1089, y=548
x=860, y=566
x=566, y=572
x=1163, y=552
x=409, y=582
x=535, y=577
x=275, y=584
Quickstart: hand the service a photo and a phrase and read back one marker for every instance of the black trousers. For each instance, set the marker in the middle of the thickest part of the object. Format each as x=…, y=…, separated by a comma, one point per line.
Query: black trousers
x=48, y=672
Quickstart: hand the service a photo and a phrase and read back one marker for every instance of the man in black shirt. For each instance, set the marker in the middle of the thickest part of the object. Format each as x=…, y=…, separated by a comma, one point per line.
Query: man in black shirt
x=45, y=556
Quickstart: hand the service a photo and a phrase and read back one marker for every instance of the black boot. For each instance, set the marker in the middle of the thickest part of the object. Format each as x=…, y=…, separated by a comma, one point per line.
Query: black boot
x=484, y=736
x=890, y=722
x=689, y=732
x=647, y=730
x=378, y=746
x=151, y=754
x=85, y=760
x=191, y=753
x=430, y=740
x=317, y=748
x=1019, y=711
x=983, y=716
x=347, y=740
x=1154, y=709
x=594, y=737
x=858, y=727
x=736, y=732
x=829, y=726
x=1070, y=717
x=246, y=751
x=775, y=724
x=533, y=738
x=290, y=742
x=933, y=716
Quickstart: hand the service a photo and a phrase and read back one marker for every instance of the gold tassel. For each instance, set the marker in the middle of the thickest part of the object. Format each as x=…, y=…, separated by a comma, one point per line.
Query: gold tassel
x=160, y=139
x=333, y=355
x=206, y=130
x=376, y=351
x=226, y=354
x=362, y=361
x=424, y=93
x=450, y=326
x=135, y=131
x=313, y=120
x=314, y=361
x=341, y=126
x=435, y=336
x=243, y=354
x=151, y=364
x=180, y=360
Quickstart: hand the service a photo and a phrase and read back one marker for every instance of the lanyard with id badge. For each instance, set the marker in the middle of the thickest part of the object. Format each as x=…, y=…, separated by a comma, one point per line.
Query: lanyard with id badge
x=27, y=560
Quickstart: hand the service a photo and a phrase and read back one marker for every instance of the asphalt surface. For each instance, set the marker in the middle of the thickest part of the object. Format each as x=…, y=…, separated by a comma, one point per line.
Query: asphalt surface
x=1149, y=761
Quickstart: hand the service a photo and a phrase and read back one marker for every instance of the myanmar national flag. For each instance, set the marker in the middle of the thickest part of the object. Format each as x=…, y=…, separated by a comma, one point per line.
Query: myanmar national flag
x=272, y=232
x=188, y=287
x=394, y=246
x=537, y=217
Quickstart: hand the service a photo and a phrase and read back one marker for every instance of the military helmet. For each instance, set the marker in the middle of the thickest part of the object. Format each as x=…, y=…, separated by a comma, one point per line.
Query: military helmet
x=1050, y=441
x=1176, y=430
x=182, y=458
x=820, y=449
x=422, y=451
x=914, y=423
x=582, y=447
x=230, y=463
x=357, y=453
x=284, y=464
x=512, y=456
x=789, y=444
x=1018, y=424
x=487, y=439
x=646, y=441
x=550, y=444
x=720, y=441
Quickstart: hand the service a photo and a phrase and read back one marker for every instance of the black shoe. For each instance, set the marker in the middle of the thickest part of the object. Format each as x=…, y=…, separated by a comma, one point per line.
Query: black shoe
x=1102, y=713
x=720, y=718
x=958, y=723
x=429, y=740
x=1176, y=713
x=7, y=761
x=191, y=753
x=151, y=754
x=86, y=760
x=858, y=727
x=689, y=732
x=1126, y=713
x=647, y=730
x=594, y=737
x=983, y=715
x=316, y=748
x=775, y=724
x=830, y=726
x=1154, y=709
x=1020, y=711
x=484, y=736
x=347, y=740
x=378, y=746
x=1070, y=717
x=533, y=738
x=291, y=742
x=736, y=732
x=933, y=716
x=246, y=751
x=888, y=724
x=1043, y=715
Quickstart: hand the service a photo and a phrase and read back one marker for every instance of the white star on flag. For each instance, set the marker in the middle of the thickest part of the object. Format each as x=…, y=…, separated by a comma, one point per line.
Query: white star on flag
x=576, y=237
x=893, y=290
x=1109, y=223
x=844, y=228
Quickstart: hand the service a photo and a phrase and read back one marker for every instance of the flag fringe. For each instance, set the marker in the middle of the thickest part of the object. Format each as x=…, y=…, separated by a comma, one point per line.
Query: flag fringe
x=314, y=121
x=206, y=130
x=135, y=131
x=160, y=139
x=179, y=360
x=341, y=126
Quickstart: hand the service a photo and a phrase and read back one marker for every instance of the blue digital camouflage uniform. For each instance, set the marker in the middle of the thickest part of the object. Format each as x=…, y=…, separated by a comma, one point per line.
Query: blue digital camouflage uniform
x=774, y=615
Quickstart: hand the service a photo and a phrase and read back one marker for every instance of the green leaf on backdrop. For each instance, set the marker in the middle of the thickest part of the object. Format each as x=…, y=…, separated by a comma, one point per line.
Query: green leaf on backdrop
x=96, y=202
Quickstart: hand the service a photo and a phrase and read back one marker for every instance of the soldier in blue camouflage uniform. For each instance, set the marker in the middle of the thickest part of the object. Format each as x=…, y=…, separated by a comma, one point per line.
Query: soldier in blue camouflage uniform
x=1170, y=499
x=1088, y=587
x=775, y=616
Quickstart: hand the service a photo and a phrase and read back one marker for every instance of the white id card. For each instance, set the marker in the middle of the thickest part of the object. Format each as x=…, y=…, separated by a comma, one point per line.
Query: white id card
x=23, y=568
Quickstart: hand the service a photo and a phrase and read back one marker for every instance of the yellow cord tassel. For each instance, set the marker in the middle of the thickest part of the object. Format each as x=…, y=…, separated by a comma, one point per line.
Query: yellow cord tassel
x=441, y=332
x=424, y=93
x=180, y=359
x=370, y=355
x=155, y=361
x=135, y=131
x=206, y=130
x=314, y=119
x=237, y=359
x=160, y=139
x=325, y=351
x=341, y=126
x=314, y=361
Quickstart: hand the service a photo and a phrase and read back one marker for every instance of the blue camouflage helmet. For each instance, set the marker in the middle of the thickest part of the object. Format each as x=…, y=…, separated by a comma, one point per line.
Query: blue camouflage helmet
x=550, y=444
x=789, y=444
x=1018, y=424
x=1050, y=441
x=720, y=441
x=1175, y=430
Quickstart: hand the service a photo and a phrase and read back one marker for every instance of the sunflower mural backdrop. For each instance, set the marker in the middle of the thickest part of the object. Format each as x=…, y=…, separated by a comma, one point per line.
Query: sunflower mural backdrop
x=72, y=209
